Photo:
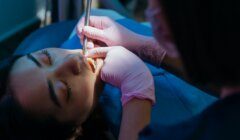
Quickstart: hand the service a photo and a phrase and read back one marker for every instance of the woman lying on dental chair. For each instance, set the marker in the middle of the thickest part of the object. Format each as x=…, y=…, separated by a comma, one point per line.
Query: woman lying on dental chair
x=56, y=90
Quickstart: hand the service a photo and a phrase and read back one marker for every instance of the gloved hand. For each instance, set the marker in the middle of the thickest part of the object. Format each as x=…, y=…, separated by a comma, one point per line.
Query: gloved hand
x=107, y=31
x=126, y=71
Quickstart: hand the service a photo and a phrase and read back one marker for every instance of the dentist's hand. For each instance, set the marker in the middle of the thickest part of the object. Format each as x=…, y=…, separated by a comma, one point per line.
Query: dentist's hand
x=125, y=70
x=104, y=30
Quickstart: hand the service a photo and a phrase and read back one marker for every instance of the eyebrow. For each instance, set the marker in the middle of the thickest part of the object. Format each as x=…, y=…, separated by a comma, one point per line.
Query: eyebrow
x=29, y=56
x=52, y=93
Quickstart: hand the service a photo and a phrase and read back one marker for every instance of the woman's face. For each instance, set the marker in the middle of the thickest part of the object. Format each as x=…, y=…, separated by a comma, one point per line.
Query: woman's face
x=56, y=82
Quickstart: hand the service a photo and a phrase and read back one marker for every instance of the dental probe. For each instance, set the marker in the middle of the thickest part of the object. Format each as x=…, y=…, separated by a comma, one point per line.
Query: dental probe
x=86, y=23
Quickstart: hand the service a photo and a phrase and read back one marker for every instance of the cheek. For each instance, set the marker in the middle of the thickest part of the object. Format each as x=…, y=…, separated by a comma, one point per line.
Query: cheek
x=80, y=104
x=83, y=103
x=85, y=92
x=87, y=83
x=83, y=99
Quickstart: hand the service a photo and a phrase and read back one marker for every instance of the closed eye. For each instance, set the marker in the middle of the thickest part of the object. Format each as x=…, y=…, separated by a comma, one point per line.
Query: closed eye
x=45, y=52
x=69, y=90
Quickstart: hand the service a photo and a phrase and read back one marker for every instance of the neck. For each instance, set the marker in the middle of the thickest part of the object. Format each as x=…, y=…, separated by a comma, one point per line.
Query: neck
x=229, y=90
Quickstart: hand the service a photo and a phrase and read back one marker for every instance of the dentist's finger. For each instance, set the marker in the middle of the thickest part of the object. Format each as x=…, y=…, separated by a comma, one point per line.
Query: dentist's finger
x=100, y=52
x=80, y=25
x=90, y=44
x=94, y=33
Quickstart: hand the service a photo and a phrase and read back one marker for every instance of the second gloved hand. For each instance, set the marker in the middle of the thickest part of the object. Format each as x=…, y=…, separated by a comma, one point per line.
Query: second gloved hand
x=104, y=30
x=125, y=70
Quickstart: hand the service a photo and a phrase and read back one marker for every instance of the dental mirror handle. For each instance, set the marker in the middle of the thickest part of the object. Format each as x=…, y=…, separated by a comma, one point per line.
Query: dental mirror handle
x=86, y=23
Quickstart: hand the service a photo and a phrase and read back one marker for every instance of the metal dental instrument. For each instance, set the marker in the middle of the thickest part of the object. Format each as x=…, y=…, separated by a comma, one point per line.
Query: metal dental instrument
x=86, y=23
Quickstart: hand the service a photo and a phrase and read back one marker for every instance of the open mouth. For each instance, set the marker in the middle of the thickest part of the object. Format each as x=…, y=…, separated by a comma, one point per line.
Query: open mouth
x=92, y=63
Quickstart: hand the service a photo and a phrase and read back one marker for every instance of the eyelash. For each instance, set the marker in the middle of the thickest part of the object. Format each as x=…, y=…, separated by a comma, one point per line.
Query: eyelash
x=45, y=52
x=69, y=91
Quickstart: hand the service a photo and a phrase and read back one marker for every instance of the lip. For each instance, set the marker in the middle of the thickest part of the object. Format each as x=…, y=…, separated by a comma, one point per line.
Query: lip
x=91, y=64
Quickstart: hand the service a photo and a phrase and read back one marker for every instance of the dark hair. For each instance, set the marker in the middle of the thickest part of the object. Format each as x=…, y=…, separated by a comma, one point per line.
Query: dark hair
x=96, y=127
x=206, y=33
x=15, y=123
x=5, y=68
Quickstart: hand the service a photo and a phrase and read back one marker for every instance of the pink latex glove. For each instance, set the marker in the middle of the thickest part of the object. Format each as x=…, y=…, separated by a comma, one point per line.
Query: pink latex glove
x=126, y=71
x=104, y=30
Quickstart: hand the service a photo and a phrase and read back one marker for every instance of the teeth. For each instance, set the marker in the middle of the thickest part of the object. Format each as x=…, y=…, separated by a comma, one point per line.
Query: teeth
x=92, y=63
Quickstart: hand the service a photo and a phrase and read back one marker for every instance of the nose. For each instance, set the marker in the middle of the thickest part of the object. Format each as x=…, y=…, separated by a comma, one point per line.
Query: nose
x=69, y=65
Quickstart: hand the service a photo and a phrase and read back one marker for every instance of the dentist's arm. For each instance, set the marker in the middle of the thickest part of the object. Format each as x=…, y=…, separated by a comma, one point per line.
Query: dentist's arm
x=125, y=70
x=136, y=116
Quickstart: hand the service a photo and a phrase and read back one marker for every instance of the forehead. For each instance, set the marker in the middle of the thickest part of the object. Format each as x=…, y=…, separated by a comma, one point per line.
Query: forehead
x=23, y=65
x=29, y=84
